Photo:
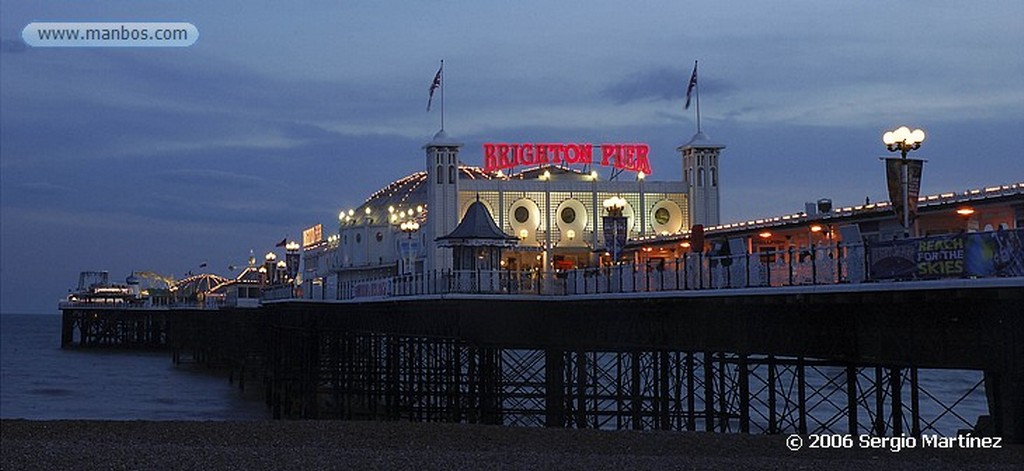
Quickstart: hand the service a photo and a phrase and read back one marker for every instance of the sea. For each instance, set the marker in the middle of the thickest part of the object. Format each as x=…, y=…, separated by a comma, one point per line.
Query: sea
x=41, y=381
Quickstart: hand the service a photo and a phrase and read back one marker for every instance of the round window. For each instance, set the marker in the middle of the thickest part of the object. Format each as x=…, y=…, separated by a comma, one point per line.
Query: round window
x=522, y=214
x=568, y=215
x=662, y=216
x=380, y=237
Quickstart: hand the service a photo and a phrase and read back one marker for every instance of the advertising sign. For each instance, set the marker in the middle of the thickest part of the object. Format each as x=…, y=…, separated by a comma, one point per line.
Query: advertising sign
x=372, y=289
x=999, y=253
x=313, y=235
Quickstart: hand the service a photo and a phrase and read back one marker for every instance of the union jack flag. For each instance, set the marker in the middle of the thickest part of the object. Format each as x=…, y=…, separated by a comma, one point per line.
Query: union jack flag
x=434, y=85
x=693, y=84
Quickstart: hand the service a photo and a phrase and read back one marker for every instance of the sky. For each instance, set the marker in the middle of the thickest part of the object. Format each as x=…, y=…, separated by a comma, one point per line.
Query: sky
x=161, y=159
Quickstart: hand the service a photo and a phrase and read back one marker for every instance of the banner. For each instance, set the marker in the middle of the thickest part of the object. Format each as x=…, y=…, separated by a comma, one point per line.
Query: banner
x=615, y=232
x=372, y=289
x=999, y=253
x=894, y=182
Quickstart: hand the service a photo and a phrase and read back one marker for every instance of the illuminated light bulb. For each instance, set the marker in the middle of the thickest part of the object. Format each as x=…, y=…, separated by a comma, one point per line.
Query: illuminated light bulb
x=917, y=135
x=888, y=138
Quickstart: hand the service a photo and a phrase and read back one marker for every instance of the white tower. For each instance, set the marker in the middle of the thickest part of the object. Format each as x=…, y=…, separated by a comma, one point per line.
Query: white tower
x=700, y=171
x=442, y=197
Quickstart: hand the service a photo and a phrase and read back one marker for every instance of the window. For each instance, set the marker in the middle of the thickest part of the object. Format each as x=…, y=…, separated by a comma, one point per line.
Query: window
x=440, y=175
x=568, y=215
x=662, y=216
x=451, y=175
x=700, y=177
x=522, y=214
x=714, y=176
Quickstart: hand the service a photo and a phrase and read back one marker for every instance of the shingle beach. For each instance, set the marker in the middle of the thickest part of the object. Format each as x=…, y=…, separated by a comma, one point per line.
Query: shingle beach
x=78, y=444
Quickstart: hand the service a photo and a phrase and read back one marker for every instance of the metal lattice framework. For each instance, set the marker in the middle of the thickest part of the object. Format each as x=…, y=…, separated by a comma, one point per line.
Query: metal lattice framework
x=363, y=375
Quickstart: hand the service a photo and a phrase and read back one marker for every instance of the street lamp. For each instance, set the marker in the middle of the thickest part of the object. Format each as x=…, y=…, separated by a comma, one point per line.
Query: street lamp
x=903, y=140
x=408, y=227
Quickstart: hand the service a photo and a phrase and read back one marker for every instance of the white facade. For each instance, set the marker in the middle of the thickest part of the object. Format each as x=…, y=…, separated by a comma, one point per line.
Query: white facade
x=556, y=212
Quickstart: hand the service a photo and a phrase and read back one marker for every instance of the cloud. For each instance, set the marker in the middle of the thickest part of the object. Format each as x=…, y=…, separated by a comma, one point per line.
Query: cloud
x=205, y=177
x=662, y=84
x=44, y=188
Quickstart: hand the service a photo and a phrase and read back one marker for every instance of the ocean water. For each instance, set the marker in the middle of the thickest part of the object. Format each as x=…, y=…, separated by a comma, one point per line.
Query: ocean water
x=40, y=381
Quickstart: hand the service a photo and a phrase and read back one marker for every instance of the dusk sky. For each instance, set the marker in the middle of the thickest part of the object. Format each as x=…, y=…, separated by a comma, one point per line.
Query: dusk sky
x=160, y=159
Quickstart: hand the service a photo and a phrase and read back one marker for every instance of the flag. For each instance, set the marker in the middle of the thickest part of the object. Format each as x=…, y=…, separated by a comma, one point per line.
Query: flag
x=282, y=243
x=433, y=85
x=693, y=84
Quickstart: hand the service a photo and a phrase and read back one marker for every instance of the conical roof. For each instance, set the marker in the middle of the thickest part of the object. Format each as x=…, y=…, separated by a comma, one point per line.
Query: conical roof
x=477, y=228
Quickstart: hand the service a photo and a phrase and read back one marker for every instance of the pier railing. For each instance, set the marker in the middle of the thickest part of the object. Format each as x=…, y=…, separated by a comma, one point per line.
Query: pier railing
x=966, y=255
x=825, y=264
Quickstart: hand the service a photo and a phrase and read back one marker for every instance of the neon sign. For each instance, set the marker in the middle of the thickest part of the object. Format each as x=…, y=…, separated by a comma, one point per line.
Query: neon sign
x=632, y=157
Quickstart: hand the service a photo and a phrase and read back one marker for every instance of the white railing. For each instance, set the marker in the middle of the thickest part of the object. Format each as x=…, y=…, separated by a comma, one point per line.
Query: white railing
x=826, y=264
x=966, y=255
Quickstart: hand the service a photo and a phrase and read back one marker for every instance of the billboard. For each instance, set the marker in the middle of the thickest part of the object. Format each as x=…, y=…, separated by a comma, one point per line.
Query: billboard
x=313, y=235
x=998, y=253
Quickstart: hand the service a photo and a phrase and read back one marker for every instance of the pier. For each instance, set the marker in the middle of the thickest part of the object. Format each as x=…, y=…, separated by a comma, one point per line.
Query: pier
x=840, y=358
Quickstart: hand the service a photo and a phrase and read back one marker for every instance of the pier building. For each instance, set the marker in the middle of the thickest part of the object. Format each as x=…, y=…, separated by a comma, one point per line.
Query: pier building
x=549, y=196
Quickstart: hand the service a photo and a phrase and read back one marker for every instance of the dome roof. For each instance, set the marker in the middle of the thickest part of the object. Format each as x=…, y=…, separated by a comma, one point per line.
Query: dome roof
x=405, y=194
x=195, y=285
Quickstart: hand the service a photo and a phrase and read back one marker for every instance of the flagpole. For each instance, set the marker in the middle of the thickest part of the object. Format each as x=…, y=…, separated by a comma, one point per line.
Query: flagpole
x=442, y=94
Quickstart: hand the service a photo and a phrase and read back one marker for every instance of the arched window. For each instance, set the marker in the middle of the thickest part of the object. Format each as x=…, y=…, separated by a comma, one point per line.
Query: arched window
x=440, y=175
x=451, y=175
x=714, y=176
x=700, y=177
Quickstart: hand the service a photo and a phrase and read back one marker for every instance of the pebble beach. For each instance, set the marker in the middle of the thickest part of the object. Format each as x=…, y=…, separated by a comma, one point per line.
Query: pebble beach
x=81, y=444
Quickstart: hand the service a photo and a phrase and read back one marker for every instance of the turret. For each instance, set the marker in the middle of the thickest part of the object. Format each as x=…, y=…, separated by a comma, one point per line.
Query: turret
x=442, y=160
x=700, y=172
